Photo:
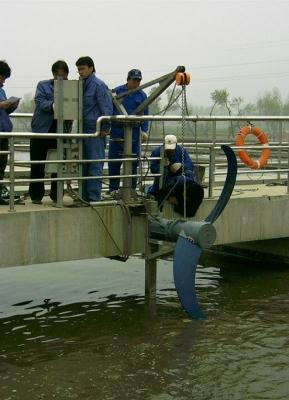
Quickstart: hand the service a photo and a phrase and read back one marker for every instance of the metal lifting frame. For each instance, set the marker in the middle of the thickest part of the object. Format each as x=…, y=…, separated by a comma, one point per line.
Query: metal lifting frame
x=164, y=82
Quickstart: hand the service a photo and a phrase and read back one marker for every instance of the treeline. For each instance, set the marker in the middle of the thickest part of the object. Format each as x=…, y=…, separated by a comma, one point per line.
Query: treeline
x=222, y=103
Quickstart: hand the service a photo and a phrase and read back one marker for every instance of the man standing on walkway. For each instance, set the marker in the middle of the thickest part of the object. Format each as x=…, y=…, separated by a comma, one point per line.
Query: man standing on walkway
x=6, y=108
x=97, y=102
x=130, y=103
x=43, y=122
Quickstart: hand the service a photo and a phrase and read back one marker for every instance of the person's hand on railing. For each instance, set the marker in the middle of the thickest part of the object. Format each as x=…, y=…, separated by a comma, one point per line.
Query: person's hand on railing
x=104, y=133
x=144, y=136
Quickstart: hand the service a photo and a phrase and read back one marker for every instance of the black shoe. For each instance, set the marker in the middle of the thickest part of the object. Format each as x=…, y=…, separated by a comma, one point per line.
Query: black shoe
x=5, y=194
x=36, y=201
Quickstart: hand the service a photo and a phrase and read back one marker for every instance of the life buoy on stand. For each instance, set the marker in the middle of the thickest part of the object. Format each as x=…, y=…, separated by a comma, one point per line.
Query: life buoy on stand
x=263, y=140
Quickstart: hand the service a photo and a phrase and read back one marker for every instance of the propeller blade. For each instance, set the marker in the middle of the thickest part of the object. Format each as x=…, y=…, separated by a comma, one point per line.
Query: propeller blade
x=186, y=259
x=228, y=186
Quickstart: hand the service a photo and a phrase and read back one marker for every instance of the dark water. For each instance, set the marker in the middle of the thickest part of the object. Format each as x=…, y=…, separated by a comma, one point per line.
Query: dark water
x=82, y=330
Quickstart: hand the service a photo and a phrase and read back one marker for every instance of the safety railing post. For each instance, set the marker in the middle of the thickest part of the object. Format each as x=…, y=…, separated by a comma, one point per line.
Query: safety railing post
x=79, y=130
x=288, y=173
x=127, y=165
x=60, y=146
x=212, y=171
x=280, y=130
x=11, y=175
x=214, y=131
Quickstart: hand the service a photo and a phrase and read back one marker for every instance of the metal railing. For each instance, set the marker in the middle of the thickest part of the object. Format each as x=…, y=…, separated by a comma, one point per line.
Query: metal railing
x=212, y=158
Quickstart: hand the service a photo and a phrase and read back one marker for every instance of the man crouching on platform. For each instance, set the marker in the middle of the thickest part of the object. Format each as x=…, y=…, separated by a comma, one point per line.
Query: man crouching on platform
x=178, y=179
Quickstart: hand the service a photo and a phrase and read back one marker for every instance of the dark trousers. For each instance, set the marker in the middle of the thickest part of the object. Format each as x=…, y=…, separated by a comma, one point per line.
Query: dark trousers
x=3, y=157
x=38, y=151
x=115, y=150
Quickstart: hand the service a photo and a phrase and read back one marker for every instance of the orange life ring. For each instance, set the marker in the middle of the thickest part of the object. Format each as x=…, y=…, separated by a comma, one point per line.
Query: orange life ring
x=263, y=140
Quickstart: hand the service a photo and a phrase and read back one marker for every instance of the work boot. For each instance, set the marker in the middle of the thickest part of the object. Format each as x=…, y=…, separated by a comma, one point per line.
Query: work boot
x=5, y=194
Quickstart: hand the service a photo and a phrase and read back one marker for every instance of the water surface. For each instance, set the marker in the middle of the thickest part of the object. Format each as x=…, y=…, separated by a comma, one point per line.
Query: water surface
x=83, y=330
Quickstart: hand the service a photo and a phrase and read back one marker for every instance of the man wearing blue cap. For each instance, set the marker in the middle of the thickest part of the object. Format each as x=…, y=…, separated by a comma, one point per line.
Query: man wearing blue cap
x=130, y=103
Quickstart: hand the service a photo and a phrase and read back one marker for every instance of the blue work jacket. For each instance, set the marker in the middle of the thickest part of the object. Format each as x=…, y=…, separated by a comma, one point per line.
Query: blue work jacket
x=43, y=116
x=97, y=101
x=130, y=103
x=176, y=157
x=5, y=122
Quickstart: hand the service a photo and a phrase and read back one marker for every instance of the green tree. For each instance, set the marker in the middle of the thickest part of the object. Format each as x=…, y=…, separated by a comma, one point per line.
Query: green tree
x=285, y=109
x=236, y=102
x=249, y=109
x=220, y=97
x=270, y=103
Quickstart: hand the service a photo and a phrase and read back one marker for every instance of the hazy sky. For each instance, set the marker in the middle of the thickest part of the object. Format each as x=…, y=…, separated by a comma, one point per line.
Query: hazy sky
x=240, y=45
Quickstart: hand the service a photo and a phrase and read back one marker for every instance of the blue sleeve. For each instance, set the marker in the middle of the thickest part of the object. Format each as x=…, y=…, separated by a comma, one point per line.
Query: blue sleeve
x=188, y=164
x=155, y=164
x=41, y=99
x=104, y=100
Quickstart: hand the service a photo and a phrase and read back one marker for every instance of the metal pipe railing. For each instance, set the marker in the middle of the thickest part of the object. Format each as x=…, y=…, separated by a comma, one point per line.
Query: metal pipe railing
x=75, y=178
x=213, y=148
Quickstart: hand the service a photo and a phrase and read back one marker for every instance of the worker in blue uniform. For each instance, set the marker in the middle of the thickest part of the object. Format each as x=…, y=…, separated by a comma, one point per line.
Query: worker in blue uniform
x=43, y=121
x=7, y=106
x=139, y=130
x=97, y=101
x=178, y=179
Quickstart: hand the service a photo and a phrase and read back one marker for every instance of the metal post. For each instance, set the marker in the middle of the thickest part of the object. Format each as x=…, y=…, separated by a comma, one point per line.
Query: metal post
x=212, y=171
x=60, y=155
x=288, y=174
x=12, y=174
x=140, y=168
x=79, y=130
x=151, y=273
x=127, y=165
x=162, y=165
x=280, y=150
x=196, y=130
x=214, y=132
x=212, y=161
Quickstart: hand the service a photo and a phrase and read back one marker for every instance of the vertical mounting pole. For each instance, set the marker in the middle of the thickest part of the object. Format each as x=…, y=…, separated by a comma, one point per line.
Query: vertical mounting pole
x=79, y=130
x=12, y=174
x=127, y=165
x=288, y=173
x=151, y=273
x=60, y=153
x=212, y=161
x=211, y=171
x=280, y=150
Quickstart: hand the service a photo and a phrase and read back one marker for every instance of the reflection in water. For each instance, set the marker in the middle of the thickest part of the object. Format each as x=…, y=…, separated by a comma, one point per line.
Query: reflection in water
x=82, y=330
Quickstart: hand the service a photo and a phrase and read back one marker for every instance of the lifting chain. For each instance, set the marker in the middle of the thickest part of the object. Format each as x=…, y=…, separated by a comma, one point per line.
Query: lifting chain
x=183, y=141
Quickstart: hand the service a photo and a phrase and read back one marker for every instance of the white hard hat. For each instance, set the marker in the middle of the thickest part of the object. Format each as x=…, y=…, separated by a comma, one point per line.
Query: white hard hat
x=170, y=142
